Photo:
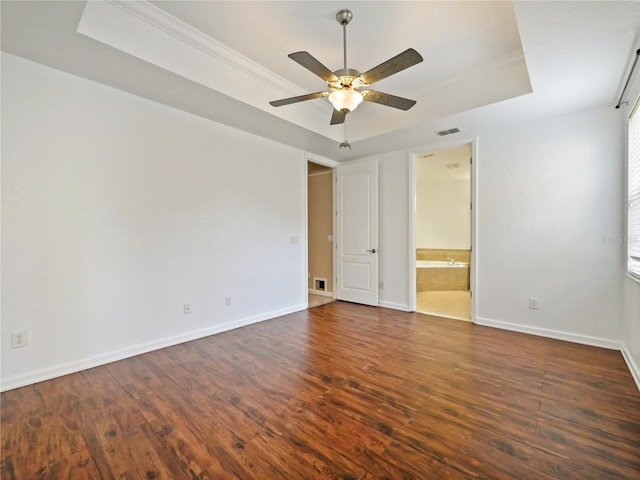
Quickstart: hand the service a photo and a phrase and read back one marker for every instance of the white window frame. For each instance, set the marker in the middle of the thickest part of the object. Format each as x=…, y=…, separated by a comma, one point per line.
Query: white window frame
x=633, y=194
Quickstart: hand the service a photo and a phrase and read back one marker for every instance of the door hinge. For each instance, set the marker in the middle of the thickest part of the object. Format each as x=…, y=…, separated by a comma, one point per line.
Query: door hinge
x=471, y=206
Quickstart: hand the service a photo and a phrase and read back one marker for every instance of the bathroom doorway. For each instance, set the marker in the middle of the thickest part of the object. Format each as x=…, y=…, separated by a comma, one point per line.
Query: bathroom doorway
x=443, y=232
x=319, y=234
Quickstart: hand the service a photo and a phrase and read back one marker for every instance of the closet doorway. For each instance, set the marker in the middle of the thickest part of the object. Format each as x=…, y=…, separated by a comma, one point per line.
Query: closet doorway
x=320, y=234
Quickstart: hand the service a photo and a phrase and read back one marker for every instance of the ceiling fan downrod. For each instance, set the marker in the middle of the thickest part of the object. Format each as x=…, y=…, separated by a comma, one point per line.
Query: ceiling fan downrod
x=343, y=17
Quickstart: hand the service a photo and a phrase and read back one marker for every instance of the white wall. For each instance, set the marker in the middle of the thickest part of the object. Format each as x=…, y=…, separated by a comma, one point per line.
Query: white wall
x=631, y=292
x=393, y=225
x=549, y=198
x=117, y=210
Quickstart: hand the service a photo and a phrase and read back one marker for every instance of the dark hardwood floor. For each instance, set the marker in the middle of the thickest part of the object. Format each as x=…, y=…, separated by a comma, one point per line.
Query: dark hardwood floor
x=337, y=392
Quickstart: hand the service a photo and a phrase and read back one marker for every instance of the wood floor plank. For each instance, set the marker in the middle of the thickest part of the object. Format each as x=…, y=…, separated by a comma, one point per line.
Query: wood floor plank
x=341, y=391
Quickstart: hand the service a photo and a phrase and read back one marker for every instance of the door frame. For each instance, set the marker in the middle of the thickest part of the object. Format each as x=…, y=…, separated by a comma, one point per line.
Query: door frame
x=309, y=157
x=414, y=153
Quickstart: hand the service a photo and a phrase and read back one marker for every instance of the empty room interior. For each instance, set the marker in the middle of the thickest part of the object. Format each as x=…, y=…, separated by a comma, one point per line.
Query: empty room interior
x=320, y=240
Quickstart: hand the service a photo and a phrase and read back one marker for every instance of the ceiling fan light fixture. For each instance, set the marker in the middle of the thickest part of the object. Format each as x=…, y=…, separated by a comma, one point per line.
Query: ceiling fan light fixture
x=345, y=99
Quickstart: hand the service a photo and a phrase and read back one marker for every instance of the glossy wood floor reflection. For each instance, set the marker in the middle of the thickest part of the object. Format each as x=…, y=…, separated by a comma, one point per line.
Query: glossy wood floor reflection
x=340, y=391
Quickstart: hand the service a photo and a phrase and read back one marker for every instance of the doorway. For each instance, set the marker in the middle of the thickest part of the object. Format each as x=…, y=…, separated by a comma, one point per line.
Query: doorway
x=319, y=234
x=443, y=232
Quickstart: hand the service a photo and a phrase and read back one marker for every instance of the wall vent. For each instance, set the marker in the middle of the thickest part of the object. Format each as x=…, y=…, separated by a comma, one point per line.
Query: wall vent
x=320, y=284
x=450, y=131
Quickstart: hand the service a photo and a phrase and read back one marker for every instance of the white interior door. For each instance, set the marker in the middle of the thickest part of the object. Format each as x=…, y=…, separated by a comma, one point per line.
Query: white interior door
x=357, y=232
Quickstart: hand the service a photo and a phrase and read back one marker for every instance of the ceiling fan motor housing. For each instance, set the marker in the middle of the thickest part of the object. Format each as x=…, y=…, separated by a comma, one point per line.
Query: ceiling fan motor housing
x=346, y=78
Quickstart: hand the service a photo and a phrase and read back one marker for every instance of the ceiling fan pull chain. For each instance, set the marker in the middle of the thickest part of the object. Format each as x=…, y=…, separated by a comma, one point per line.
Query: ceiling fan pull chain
x=346, y=143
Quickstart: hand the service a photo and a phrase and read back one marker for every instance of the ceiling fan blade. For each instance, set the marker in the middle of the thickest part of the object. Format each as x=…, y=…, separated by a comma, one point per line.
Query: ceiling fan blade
x=388, y=100
x=300, y=98
x=314, y=66
x=406, y=59
x=337, y=117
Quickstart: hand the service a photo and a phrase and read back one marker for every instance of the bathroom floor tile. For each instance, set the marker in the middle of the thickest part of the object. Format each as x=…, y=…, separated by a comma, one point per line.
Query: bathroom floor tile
x=450, y=304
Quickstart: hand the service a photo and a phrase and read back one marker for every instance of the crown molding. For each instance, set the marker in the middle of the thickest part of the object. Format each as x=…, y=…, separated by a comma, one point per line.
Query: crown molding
x=184, y=32
x=153, y=35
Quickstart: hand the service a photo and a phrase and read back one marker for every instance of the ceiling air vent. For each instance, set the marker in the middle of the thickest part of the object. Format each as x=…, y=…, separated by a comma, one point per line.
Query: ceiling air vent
x=443, y=133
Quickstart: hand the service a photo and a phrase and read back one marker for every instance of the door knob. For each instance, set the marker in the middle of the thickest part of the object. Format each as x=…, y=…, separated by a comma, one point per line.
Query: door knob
x=373, y=250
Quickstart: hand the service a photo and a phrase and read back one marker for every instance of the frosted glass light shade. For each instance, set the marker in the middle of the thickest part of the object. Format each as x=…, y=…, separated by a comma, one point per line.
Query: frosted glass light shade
x=345, y=99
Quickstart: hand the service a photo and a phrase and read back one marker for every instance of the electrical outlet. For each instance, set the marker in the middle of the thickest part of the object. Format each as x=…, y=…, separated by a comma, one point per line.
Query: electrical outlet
x=533, y=303
x=187, y=308
x=380, y=284
x=227, y=301
x=19, y=339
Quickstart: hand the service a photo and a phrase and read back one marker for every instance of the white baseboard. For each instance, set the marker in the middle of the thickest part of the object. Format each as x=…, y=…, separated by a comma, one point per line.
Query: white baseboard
x=395, y=306
x=633, y=366
x=546, y=332
x=321, y=292
x=96, y=361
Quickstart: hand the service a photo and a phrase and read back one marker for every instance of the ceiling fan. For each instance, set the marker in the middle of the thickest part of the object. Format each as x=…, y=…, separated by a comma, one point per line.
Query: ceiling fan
x=347, y=86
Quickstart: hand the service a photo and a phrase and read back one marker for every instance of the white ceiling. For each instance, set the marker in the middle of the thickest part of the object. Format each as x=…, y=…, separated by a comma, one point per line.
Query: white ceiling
x=486, y=64
x=449, y=165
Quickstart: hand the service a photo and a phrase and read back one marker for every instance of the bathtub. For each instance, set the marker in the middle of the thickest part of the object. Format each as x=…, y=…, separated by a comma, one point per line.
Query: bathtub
x=441, y=276
x=439, y=264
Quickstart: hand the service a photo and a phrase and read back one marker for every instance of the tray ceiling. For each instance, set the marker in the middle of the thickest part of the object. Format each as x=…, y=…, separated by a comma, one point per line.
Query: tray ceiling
x=485, y=63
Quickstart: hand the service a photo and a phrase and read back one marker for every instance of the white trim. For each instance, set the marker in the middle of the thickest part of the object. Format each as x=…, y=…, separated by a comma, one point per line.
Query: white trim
x=633, y=366
x=319, y=173
x=395, y=306
x=413, y=282
x=186, y=33
x=320, y=160
x=98, y=360
x=321, y=293
x=549, y=333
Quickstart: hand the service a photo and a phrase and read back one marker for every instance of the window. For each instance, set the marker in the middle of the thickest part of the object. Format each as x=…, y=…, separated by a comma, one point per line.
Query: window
x=633, y=173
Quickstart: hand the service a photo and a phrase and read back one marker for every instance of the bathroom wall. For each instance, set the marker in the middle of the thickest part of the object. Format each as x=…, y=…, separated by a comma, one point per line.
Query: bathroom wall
x=443, y=254
x=320, y=223
x=443, y=198
x=449, y=279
